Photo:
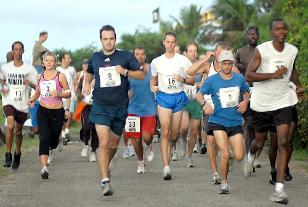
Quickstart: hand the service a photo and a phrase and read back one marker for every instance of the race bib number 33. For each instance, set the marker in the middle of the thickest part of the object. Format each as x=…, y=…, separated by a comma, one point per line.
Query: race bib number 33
x=132, y=124
x=229, y=97
x=109, y=77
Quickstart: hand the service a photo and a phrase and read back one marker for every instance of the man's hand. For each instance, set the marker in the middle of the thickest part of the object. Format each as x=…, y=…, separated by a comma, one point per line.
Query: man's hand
x=154, y=89
x=120, y=70
x=280, y=72
x=300, y=92
x=208, y=109
x=179, y=78
x=87, y=89
x=242, y=106
x=67, y=114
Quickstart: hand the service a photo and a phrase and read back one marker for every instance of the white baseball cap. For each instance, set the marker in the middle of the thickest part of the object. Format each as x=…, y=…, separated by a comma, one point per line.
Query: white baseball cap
x=226, y=55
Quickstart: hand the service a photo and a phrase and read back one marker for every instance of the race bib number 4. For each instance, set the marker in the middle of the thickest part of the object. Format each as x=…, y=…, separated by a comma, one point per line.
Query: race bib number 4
x=17, y=92
x=229, y=97
x=109, y=77
x=47, y=87
x=132, y=124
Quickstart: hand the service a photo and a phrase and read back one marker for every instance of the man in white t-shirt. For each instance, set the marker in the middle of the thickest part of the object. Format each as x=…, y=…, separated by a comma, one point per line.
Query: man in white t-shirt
x=16, y=78
x=168, y=78
x=70, y=74
x=271, y=69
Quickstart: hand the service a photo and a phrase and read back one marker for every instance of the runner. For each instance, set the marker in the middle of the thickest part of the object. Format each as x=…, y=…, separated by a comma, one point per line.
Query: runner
x=230, y=96
x=87, y=131
x=208, y=69
x=52, y=87
x=141, y=121
x=271, y=69
x=168, y=78
x=70, y=74
x=192, y=112
x=243, y=56
x=16, y=78
x=111, y=69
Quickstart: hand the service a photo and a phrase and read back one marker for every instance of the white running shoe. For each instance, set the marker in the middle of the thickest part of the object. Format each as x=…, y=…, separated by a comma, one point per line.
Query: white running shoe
x=189, y=163
x=247, y=167
x=84, y=151
x=174, y=156
x=92, y=156
x=60, y=145
x=141, y=168
x=150, y=153
x=44, y=173
x=167, y=173
x=131, y=150
x=195, y=148
x=125, y=153
x=51, y=156
x=279, y=197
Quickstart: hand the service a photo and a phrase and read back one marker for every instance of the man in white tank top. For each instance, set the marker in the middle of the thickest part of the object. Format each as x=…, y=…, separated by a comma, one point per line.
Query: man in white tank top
x=208, y=69
x=271, y=69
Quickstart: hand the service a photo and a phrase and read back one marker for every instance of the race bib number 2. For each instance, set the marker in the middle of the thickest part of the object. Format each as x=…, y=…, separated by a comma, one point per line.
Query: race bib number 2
x=47, y=87
x=132, y=124
x=109, y=77
x=229, y=97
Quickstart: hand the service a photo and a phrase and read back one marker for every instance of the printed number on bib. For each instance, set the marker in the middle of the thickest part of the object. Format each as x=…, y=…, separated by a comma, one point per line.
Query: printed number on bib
x=275, y=64
x=190, y=91
x=132, y=124
x=229, y=97
x=109, y=77
x=17, y=92
x=171, y=83
x=47, y=87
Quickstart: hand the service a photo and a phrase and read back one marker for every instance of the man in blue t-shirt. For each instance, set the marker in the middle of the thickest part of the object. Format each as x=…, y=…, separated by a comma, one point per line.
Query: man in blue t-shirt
x=111, y=69
x=230, y=97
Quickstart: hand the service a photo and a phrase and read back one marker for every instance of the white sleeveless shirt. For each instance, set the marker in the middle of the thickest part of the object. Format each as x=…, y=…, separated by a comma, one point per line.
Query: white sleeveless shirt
x=273, y=94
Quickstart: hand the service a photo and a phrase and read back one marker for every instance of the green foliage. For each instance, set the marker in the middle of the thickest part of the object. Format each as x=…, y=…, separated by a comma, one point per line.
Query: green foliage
x=152, y=42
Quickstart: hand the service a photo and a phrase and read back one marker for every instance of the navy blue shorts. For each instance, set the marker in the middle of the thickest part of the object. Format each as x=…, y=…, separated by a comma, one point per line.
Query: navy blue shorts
x=175, y=101
x=231, y=131
x=113, y=117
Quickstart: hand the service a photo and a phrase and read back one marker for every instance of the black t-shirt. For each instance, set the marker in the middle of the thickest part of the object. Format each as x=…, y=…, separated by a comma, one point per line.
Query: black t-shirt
x=114, y=95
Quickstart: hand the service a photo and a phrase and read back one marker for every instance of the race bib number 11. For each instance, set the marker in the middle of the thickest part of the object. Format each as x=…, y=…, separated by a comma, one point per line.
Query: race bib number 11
x=17, y=92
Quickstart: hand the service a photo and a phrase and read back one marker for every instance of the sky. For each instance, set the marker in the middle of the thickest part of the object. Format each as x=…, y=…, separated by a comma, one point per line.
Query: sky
x=74, y=24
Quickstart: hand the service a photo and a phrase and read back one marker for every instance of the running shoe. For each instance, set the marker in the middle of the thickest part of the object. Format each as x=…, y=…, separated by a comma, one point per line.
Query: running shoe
x=257, y=163
x=106, y=188
x=16, y=161
x=125, y=153
x=224, y=188
x=247, y=168
x=174, y=156
x=51, y=156
x=84, y=151
x=8, y=159
x=44, y=173
x=279, y=197
x=203, y=149
x=140, y=168
x=92, y=156
x=288, y=176
x=189, y=163
x=150, y=153
x=216, y=179
x=167, y=173
x=131, y=151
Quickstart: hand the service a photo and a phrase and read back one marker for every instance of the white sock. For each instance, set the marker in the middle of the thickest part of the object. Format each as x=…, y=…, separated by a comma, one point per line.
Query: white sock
x=279, y=187
x=67, y=130
x=250, y=157
x=141, y=163
x=62, y=133
x=104, y=180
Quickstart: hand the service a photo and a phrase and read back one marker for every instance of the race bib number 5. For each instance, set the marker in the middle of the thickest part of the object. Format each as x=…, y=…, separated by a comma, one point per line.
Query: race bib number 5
x=17, y=92
x=132, y=124
x=47, y=87
x=109, y=77
x=229, y=97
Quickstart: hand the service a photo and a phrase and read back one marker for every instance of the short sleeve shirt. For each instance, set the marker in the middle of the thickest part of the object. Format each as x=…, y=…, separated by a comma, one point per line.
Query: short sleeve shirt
x=110, y=87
